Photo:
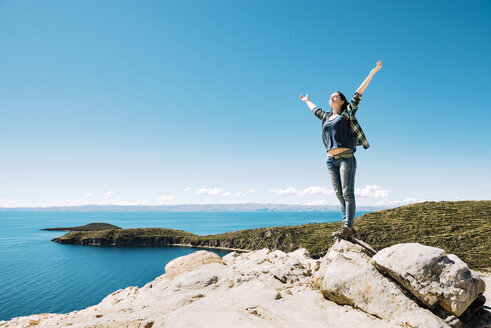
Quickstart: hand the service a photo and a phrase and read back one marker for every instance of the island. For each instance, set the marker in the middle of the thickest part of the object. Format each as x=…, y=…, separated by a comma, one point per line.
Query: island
x=462, y=228
x=96, y=226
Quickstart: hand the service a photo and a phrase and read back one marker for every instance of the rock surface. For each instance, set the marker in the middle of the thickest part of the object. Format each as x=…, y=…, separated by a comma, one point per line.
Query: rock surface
x=431, y=275
x=347, y=276
x=256, y=289
x=191, y=262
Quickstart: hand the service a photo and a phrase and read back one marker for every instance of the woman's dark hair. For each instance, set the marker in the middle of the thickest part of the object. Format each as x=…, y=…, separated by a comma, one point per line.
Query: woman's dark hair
x=345, y=105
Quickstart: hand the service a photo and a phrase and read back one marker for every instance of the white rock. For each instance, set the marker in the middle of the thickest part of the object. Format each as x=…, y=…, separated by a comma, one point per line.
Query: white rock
x=347, y=277
x=255, y=289
x=431, y=275
x=190, y=262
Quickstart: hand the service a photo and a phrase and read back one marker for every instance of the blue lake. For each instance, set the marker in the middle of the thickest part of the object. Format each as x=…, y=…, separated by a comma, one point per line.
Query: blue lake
x=38, y=276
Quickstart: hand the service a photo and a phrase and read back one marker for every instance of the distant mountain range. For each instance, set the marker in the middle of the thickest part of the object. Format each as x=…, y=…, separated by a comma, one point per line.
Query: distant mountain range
x=248, y=207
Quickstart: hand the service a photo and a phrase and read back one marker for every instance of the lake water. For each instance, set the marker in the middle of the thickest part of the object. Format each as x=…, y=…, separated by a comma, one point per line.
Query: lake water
x=38, y=276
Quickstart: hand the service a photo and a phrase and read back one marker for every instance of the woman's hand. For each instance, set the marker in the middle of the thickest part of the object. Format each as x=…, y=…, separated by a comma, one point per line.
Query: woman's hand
x=378, y=67
x=365, y=83
x=304, y=98
x=307, y=101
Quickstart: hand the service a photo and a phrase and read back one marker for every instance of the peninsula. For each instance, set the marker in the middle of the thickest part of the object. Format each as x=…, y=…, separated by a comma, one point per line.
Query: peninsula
x=462, y=228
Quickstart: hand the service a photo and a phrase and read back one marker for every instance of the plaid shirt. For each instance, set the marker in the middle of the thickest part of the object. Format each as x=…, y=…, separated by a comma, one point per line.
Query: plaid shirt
x=349, y=114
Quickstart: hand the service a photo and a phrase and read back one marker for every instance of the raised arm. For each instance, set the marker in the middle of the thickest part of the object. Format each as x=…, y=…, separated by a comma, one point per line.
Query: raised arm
x=365, y=83
x=316, y=110
x=306, y=99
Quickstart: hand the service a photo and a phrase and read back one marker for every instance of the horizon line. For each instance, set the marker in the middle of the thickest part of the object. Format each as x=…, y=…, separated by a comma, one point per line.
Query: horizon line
x=386, y=206
x=183, y=204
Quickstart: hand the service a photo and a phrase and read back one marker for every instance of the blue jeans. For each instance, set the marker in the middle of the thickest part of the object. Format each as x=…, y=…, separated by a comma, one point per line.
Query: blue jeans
x=342, y=171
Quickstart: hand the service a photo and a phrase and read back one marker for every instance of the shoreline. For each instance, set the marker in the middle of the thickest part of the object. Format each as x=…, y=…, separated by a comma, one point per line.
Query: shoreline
x=212, y=247
x=164, y=245
x=467, y=239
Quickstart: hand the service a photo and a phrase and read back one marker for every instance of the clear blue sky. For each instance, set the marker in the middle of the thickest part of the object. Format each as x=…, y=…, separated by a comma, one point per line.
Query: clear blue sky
x=170, y=102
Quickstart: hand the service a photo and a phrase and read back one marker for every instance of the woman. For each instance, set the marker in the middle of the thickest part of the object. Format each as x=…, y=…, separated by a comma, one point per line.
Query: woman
x=341, y=134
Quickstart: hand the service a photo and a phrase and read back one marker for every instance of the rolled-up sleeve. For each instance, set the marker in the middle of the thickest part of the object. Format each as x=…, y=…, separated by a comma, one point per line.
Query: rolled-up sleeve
x=353, y=105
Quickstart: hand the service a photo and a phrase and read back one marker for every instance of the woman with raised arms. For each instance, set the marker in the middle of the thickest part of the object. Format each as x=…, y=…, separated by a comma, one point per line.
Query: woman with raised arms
x=341, y=133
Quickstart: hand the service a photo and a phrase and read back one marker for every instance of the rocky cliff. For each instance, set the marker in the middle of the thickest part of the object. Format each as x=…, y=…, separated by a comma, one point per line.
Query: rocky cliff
x=407, y=285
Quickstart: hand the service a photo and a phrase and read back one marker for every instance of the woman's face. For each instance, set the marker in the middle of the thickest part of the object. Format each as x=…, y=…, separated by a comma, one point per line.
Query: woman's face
x=335, y=100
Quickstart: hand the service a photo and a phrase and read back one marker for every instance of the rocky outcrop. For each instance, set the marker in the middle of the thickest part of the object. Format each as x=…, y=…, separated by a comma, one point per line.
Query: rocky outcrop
x=431, y=275
x=191, y=262
x=347, y=276
x=258, y=289
x=115, y=241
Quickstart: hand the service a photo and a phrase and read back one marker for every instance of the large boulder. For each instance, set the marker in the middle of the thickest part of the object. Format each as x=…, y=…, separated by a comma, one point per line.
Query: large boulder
x=190, y=262
x=347, y=276
x=431, y=275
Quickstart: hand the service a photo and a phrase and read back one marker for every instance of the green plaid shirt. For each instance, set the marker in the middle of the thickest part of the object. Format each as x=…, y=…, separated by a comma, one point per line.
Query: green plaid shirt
x=349, y=114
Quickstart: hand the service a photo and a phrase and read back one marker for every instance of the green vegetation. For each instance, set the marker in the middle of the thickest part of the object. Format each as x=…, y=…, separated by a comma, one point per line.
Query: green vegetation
x=87, y=227
x=461, y=228
x=128, y=237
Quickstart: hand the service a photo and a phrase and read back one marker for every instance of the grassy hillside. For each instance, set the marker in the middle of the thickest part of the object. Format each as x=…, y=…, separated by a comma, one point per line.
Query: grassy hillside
x=462, y=228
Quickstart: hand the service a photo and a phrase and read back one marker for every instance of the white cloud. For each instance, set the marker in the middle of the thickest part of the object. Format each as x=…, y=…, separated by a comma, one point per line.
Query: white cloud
x=244, y=193
x=222, y=192
x=316, y=190
x=11, y=202
x=187, y=189
x=318, y=202
x=125, y=202
x=311, y=190
x=210, y=191
x=88, y=195
x=108, y=194
x=290, y=191
x=395, y=203
x=238, y=201
x=372, y=191
x=165, y=199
